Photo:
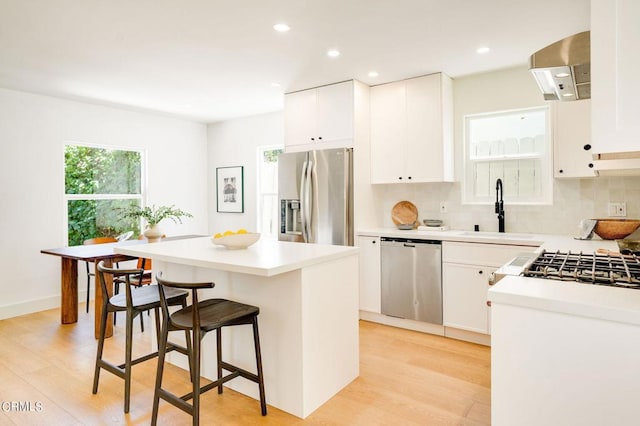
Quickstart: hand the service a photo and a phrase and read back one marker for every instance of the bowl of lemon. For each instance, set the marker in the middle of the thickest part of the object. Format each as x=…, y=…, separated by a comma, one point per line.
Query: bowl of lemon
x=240, y=239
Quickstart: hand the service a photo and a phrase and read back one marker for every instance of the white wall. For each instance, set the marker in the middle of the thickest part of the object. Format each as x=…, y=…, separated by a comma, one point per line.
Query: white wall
x=33, y=131
x=235, y=143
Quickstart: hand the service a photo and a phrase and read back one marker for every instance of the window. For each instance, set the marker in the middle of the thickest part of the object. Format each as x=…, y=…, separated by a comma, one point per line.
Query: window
x=513, y=146
x=268, y=211
x=98, y=183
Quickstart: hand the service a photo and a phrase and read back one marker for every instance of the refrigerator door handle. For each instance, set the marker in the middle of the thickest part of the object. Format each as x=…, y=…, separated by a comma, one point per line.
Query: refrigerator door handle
x=308, y=202
x=314, y=212
x=303, y=207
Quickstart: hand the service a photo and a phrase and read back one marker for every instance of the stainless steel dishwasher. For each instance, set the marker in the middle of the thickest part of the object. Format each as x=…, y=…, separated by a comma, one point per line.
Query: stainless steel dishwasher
x=411, y=272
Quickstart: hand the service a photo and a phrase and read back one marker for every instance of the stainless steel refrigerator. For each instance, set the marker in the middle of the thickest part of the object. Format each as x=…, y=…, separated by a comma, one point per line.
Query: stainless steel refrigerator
x=315, y=191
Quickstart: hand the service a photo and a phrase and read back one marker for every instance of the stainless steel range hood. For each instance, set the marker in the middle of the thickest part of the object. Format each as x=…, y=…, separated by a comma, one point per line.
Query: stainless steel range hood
x=563, y=69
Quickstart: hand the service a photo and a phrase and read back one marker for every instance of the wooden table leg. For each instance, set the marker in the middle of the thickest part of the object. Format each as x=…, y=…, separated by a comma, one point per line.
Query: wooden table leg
x=69, y=291
x=98, y=299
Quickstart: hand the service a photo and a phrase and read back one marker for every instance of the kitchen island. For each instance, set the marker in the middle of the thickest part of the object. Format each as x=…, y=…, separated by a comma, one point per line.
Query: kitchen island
x=308, y=300
x=564, y=352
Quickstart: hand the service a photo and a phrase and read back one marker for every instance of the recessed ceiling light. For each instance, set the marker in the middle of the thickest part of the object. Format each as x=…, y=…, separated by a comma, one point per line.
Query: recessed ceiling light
x=373, y=74
x=333, y=53
x=281, y=28
x=567, y=95
x=562, y=74
x=275, y=84
x=482, y=50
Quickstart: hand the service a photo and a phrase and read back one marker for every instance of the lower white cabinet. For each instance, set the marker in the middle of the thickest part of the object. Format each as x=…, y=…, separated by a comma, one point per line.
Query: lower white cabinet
x=466, y=268
x=369, y=273
x=464, y=296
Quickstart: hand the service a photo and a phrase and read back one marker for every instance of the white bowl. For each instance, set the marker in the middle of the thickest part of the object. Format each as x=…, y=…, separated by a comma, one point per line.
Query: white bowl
x=237, y=241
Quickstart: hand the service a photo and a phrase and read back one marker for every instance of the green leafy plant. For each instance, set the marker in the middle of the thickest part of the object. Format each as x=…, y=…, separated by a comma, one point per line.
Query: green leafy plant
x=154, y=215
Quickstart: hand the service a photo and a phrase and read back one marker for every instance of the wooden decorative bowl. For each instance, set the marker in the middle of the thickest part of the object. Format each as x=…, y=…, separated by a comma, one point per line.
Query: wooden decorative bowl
x=615, y=229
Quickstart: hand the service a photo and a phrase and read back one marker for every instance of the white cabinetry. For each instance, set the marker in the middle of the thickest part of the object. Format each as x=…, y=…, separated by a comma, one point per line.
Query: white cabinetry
x=411, y=130
x=615, y=87
x=466, y=268
x=572, y=153
x=319, y=118
x=369, y=273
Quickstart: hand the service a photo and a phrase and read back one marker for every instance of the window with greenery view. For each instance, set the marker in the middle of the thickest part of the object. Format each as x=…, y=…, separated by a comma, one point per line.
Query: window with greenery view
x=268, y=215
x=99, y=183
x=514, y=146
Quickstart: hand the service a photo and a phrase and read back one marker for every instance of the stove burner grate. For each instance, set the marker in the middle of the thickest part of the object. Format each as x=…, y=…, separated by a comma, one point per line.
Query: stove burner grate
x=602, y=269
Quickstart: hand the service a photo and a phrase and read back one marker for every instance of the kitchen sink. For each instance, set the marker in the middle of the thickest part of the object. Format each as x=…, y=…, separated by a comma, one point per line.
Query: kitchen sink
x=498, y=235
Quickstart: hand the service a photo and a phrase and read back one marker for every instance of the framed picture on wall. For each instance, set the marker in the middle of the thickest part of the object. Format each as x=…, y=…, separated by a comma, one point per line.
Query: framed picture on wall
x=230, y=189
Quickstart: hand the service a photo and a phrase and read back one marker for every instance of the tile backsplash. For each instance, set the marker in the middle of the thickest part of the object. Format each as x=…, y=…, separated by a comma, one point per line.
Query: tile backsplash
x=573, y=200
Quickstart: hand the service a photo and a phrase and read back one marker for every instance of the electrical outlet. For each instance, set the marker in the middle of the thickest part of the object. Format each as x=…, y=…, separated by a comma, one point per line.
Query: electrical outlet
x=443, y=206
x=618, y=209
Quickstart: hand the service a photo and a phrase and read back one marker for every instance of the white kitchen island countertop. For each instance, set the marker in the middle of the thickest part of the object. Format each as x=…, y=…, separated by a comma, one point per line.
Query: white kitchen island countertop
x=586, y=300
x=265, y=258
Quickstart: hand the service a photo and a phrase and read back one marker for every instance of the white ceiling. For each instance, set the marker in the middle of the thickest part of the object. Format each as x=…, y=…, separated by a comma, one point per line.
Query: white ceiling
x=211, y=60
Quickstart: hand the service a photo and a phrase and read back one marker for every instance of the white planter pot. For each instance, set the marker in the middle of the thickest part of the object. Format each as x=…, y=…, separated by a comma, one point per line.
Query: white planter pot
x=153, y=233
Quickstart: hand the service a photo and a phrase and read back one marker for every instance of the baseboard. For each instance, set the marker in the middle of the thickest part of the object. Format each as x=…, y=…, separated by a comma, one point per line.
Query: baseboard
x=423, y=327
x=453, y=333
x=34, y=305
x=468, y=336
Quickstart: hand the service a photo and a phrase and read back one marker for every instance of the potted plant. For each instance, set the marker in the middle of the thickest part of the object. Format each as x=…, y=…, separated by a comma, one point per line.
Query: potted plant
x=153, y=216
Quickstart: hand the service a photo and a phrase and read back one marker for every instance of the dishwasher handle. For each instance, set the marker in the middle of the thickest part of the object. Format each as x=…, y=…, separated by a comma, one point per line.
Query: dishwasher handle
x=407, y=242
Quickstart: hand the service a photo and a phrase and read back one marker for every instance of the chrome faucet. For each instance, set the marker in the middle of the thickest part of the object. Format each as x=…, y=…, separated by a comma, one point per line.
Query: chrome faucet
x=499, y=205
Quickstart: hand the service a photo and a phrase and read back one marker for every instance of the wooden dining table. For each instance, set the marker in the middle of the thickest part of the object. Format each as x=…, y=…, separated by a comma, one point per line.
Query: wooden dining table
x=69, y=257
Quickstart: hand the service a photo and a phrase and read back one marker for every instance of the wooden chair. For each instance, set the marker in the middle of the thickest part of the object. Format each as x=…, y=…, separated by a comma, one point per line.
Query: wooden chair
x=198, y=319
x=98, y=240
x=133, y=303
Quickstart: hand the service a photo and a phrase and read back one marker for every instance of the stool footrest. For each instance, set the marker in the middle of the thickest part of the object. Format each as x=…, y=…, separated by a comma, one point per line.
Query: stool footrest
x=243, y=373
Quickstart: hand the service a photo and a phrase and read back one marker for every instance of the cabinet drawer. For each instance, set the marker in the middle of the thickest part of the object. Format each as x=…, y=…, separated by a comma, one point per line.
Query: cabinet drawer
x=481, y=254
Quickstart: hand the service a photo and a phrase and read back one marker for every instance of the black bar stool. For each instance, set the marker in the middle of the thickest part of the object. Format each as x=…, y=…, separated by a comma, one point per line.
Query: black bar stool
x=199, y=318
x=133, y=303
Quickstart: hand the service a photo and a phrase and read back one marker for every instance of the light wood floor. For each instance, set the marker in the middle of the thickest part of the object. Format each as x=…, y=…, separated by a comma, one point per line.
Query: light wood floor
x=406, y=378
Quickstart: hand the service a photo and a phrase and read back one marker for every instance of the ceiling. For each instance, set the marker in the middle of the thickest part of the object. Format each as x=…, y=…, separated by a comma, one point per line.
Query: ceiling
x=212, y=60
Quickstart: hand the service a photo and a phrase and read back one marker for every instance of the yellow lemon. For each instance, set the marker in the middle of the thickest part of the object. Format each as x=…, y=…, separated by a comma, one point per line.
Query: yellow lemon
x=241, y=231
x=218, y=235
x=226, y=233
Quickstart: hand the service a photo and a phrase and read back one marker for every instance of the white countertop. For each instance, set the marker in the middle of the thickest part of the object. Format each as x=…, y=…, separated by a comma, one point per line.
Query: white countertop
x=264, y=258
x=544, y=241
x=587, y=300
x=594, y=301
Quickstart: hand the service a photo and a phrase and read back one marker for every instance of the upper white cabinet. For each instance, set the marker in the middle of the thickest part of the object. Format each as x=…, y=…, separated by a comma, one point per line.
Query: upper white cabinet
x=572, y=150
x=319, y=118
x=615, y=87
x=411, y=130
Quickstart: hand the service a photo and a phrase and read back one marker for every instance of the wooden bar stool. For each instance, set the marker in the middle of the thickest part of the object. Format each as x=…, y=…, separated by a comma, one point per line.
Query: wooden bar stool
x=199, y=318
x=133, y=303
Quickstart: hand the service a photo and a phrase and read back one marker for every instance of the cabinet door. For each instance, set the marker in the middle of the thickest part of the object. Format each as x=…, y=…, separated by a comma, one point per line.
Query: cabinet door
x=300, y=117
x=369, y=273
x=572, y=153
x=464, y=297
x=335, y=113
x=424, y=129
x=615, y=88
x=388, y=133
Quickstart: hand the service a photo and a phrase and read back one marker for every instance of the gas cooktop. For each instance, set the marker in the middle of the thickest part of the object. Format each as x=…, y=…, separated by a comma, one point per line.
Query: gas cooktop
x=604, y=269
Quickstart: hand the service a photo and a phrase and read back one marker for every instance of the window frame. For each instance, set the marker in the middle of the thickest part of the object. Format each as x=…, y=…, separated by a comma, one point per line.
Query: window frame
x=545, y=196
x=260, y=195
x=71, y=197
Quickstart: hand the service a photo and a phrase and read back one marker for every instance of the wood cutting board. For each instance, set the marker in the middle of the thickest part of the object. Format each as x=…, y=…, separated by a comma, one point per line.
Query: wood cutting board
x=404, y=212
